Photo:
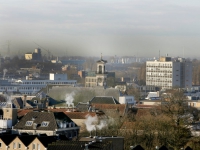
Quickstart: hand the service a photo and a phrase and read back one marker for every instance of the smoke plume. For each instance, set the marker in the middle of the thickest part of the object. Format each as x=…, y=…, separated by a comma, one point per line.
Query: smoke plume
x=93, y=123
x=69, y=98
x=4, y=73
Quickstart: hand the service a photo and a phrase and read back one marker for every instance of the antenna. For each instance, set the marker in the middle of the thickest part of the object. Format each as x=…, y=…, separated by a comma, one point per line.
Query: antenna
x=159, y=55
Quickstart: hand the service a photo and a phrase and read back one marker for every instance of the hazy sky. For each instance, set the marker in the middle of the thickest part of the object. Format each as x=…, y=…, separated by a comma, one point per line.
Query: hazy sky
x=111, y=27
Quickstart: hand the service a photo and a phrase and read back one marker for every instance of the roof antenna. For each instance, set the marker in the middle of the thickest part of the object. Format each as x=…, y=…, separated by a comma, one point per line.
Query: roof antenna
x=101, y=56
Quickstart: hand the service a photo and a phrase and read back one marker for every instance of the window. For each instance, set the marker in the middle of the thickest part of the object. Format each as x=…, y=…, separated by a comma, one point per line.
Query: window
x=0, y=145
x=38, y=146
x=14, y=146
x=34, y=146
x=19, y=145
x=29, y=123
x=44, y=123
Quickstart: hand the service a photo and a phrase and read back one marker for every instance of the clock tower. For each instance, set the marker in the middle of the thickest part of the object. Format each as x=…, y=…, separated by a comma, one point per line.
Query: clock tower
x=101, y=74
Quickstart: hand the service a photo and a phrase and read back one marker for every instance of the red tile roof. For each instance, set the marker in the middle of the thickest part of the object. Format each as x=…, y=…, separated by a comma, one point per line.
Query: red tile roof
x=73, y=115
x=23, y=112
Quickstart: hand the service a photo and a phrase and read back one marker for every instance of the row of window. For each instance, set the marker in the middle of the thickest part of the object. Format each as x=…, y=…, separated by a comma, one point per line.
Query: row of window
x=43, y=83
x=43, y=124
x=15, y=88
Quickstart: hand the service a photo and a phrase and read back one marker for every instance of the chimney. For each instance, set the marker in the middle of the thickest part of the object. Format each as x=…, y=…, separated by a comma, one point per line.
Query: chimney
x=24, y=101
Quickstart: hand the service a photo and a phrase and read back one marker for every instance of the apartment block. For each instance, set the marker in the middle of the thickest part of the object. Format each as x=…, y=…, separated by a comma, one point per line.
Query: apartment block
x=167, y=73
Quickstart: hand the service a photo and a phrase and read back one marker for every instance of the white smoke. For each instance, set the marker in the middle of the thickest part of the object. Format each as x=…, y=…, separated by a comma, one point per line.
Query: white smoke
x=102, y=124
x=69, y=98
x=93, y=123
x=4, y=73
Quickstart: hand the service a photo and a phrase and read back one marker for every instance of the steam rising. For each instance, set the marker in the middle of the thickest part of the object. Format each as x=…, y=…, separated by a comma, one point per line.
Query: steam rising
x=4, y=72
x=93, y=123
x=69, y=98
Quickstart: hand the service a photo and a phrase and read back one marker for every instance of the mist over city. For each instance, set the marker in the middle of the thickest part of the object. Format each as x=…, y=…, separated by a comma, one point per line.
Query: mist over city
x=111, y=27
x=100, y=74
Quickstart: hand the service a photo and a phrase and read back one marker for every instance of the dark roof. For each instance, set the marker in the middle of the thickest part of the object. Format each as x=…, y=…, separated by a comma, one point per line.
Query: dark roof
x=8, y=138
x=163, y=148
x=38, y=117
x=101, y=61
x=138, y=147
x=103, y=100
x=82, y=106
x=27, y=139
x=45, y=140
x=18, y=102
x=188, y=148
x=78, y=145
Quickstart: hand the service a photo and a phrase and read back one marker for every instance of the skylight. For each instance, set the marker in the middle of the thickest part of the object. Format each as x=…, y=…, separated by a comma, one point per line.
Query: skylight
x=29, y=123
x=44, y=123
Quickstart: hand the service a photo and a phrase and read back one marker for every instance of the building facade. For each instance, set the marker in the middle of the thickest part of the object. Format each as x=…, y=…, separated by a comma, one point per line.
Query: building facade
x=31, y=87
x=100, y=76
x=167, y=73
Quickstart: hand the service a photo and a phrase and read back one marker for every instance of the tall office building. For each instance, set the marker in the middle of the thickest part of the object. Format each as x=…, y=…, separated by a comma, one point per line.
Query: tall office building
x=167, y=73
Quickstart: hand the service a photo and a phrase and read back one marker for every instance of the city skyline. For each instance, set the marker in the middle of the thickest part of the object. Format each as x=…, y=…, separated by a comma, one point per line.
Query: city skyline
x=111, y=27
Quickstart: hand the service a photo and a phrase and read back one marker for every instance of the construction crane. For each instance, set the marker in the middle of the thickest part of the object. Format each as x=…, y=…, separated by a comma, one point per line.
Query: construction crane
x=49, y=53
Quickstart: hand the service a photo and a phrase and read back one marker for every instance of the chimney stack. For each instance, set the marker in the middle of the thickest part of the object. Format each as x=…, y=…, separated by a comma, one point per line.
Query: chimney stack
x=24, y=101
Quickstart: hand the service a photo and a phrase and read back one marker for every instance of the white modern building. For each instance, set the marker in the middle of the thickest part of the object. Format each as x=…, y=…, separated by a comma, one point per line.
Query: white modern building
x=30, y=87
x=127, y=100
x=167, y=73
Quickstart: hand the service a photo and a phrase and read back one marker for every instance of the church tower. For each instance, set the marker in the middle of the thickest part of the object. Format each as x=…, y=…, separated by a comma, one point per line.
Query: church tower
x=101, y=74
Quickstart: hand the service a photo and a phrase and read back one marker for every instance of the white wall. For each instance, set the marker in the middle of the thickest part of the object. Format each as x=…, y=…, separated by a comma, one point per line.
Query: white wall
x=127, y=99
x=53, y=76
x=5, y=124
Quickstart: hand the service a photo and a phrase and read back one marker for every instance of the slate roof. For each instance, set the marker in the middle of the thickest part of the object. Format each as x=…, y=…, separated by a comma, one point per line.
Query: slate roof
x=103, y=100
x=39, y=117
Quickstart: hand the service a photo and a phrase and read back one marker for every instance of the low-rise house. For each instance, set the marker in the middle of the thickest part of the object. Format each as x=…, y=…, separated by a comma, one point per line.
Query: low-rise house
x=5, y=141
x=20, y=142
x=50, y=123
x=25, y=142
x=41, y=142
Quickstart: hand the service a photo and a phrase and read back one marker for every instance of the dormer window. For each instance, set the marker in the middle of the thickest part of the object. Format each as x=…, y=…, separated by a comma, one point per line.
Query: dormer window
x=29, y=123
x=45, y=124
